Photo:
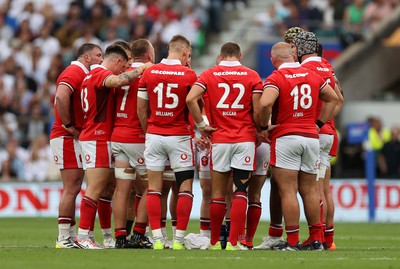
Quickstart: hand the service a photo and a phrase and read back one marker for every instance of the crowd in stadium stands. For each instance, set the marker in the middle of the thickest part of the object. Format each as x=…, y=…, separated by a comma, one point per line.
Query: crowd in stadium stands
x=348, y=20
x=38, y=39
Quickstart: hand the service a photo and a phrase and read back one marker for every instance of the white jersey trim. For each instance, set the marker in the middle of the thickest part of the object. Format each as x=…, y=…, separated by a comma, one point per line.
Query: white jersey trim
x=289, y=65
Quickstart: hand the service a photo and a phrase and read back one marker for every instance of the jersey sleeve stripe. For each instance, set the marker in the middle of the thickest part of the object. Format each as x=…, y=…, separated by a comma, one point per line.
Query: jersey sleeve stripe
x=323, y=85
x=104, y=81
x=142, y=89
x=68, y=85
x=201, y=85
x=272, y=86
x=257, y=91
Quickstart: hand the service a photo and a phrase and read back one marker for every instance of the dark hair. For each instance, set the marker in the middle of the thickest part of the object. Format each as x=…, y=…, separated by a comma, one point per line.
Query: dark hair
x=230, y=49
x=85, y=48
x=140, y=47
x=123, y=44
x=116, y=49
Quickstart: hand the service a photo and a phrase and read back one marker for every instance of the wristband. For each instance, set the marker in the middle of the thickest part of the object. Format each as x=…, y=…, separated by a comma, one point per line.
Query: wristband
x=201, y=124
x=320, y=123
x=69, y=125
x=264, y=127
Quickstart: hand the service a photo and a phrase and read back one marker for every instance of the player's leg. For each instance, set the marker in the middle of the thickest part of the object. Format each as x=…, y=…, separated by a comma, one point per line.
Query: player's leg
x=67, y=155
x=98, y=163
x=308, y=189
x=104, y=210
x=205, y=184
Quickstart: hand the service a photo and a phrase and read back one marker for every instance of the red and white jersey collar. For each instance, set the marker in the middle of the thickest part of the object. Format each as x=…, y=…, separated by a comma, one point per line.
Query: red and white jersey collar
x=80, y=65
x=230, y=63
x=171, y=62
x=312, y=59
x=289, y=65
x=92, y=67
x=136, y=64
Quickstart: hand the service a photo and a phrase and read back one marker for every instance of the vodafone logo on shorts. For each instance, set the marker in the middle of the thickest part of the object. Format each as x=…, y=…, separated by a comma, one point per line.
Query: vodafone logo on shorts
x=56, y=158
x=204, y=161
x=184, y=156
x=265, y=165
x=247, y=159
x=140, y=161
x=87, y=158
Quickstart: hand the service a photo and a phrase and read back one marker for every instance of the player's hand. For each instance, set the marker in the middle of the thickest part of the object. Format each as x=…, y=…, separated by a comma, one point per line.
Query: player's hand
x=207, y=130
x=265, y=133
x=201, y=143
x=72, y=131
x=147, y=65
x=318, y=129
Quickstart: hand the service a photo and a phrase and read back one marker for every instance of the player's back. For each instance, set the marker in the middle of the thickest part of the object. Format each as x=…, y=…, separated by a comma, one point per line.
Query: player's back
x=230, y=87
x=98, y=105
x=127, y=128
x=167, y=85
x=71, y=77
x=320, y=67
x=296, y=106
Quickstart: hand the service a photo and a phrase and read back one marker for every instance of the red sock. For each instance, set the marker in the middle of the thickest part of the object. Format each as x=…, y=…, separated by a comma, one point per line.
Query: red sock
x=323, y=228
x=73, y=222
x=163, y=222
x=329, y=232
x=275, y=229
x=217, y=213
x=315, y=231
x=88, y=213
x=183, y=209
x=154, y=209
x=292, y=233
x=205, y=224
x=120, y=232
x=253, y=218
x=137, y=201
x=105, y=212
x=321, y=219
x=174, y=222
x=65, y=220
x=140, y=227
x=238, y=216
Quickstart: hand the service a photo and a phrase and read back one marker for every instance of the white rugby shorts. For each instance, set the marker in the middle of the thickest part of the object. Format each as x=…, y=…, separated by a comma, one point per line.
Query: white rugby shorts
x=96, y=154
x=295, y=152
x=262, y=159
x=177, y=149
x=67, y=152
x=226, y=156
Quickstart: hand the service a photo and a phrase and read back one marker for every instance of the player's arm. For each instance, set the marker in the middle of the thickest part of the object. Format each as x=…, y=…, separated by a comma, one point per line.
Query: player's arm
x=339, y=105
x=192, y=101
x=267, y=100
x=63, y=103
x=143, y=109
x=330, y=99
x=116, y=81
x=256, y=110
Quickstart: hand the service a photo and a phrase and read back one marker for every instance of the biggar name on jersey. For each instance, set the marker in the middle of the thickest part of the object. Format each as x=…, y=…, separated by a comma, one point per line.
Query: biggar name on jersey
x=164, y=72
x=164, y=114
x=229, y=113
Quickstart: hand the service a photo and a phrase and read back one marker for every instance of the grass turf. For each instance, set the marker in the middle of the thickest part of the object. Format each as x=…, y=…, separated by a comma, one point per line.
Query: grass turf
x=29, y=243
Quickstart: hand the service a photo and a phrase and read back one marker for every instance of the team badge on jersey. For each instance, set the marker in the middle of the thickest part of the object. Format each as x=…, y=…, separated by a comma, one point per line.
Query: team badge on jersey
x=140, y=161
x=204, y=161
x=247, y=159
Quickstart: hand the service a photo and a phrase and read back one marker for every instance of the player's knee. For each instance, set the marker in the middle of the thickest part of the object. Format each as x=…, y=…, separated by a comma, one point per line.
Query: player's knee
x=125, y=173
x=182, y=176
x=241, y=179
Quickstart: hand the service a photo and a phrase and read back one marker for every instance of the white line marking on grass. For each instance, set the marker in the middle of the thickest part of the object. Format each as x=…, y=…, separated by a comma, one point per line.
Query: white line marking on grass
x=24, y=247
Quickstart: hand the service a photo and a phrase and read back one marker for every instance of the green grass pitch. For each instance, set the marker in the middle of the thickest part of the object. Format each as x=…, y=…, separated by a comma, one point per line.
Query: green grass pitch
x=29, y=243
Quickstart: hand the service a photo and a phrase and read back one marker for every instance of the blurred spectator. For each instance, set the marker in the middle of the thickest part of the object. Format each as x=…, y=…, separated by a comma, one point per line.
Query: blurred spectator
x=310, y=17
x=268, y=20
x=12, y=161
x=352, y=30
x=8, y=126
x=376, y=11
x=377, y=134
x=49, y=44
x=389, y=156
x=351, y=159
x=39, y=160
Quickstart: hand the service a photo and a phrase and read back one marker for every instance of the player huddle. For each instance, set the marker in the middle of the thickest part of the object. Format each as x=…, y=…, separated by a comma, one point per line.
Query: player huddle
x=135, y=128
